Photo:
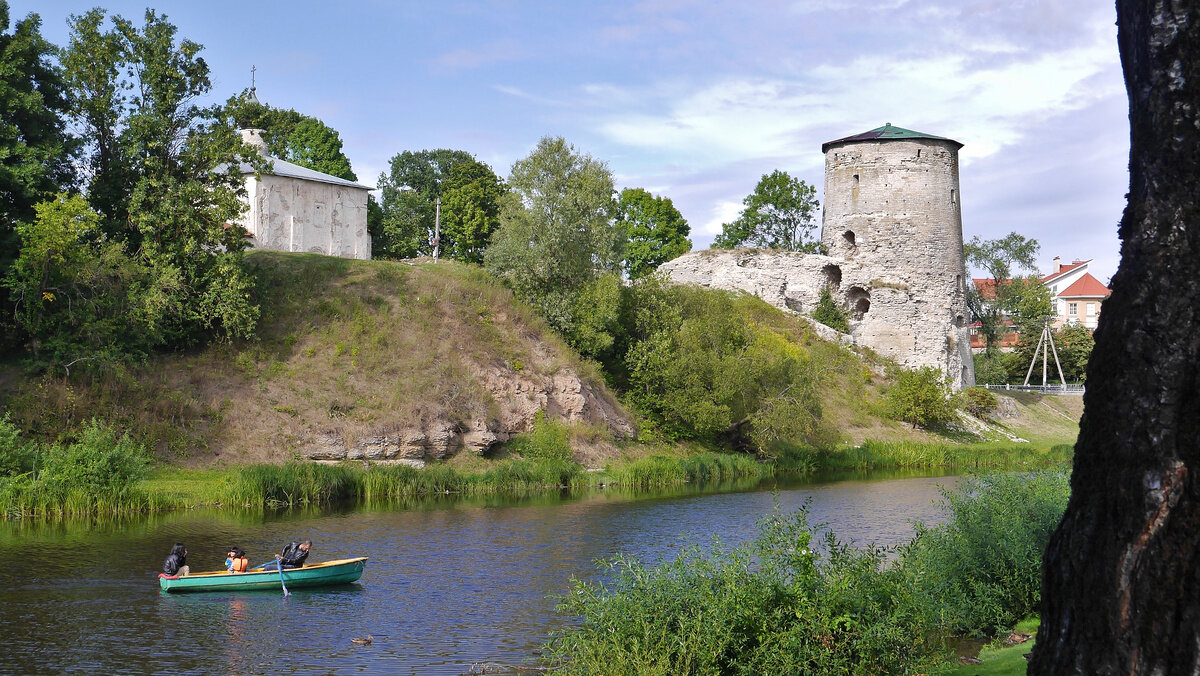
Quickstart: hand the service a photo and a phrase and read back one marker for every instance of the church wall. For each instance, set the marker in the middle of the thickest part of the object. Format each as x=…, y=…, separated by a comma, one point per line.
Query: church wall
x=291, y=214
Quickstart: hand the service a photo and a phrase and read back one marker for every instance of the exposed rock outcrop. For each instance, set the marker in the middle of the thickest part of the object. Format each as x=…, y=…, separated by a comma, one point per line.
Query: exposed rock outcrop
x=518, y=395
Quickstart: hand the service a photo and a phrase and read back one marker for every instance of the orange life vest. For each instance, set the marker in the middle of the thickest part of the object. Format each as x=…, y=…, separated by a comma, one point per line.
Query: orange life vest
x=240, y=565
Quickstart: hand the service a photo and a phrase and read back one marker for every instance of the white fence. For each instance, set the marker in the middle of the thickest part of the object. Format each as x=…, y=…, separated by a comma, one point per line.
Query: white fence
x=1043, y=389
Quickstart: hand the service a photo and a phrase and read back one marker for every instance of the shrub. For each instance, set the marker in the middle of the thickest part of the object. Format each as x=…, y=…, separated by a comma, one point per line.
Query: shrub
x=979, y=401
x=981, y=571
x=829, y=313
x=98, y=462
x=16, y=456
x=991, y=369
x=700, y=366
x=549, y=439
x=776, y=605
x=920, y=397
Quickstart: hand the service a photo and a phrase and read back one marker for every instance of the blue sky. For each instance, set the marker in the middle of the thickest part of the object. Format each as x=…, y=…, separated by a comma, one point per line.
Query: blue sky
x=697, y=100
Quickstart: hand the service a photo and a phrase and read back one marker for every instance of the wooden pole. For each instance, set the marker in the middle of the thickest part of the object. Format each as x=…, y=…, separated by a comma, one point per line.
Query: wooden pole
x=437, y=228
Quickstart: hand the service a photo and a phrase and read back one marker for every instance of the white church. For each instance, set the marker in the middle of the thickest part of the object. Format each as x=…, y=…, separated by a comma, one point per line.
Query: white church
x=293, y=208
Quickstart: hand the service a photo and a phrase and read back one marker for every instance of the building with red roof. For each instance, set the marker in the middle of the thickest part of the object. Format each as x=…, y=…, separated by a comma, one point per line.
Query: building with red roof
x=1076, y=294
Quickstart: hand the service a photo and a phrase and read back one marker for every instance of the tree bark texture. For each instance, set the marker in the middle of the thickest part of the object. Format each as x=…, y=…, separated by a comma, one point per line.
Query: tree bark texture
x=1121, y=579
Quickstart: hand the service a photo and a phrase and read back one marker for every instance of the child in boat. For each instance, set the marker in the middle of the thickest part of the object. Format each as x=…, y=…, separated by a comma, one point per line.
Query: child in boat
x=237, y=561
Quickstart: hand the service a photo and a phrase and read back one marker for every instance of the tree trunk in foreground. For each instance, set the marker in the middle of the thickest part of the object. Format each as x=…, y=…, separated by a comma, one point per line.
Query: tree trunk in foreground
x=1121, y=582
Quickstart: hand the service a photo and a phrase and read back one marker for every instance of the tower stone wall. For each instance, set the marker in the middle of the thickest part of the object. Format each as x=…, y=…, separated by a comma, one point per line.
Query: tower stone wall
x=892, y=229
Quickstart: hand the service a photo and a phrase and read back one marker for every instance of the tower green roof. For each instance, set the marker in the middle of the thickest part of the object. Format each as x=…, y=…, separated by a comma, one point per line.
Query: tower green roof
x=885, y=133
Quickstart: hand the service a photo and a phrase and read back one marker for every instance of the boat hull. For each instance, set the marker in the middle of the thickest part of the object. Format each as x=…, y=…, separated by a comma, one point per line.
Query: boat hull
x=317, y=575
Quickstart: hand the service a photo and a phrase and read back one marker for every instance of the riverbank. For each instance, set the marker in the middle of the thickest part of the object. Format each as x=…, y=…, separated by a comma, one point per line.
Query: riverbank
x=308, y=484
x=799, y=600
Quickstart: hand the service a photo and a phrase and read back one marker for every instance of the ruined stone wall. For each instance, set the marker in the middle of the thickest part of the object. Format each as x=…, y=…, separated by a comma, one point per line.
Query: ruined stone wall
x=893, y=230
x=292, y=214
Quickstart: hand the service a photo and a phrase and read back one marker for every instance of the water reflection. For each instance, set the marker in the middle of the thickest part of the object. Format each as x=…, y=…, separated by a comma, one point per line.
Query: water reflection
x=451, y=582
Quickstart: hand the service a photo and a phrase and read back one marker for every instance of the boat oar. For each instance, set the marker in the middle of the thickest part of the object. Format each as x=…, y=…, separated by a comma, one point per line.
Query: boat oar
x=281, y=582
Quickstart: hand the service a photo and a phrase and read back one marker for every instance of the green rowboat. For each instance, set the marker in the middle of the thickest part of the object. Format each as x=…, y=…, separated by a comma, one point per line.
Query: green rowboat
x=315, y=575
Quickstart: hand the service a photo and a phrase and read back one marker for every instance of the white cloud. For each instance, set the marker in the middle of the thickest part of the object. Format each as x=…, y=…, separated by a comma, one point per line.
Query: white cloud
x=722, y=212
x=983, y=99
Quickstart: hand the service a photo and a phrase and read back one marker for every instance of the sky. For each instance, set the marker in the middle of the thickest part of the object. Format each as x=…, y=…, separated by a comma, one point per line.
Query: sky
x=695, y=101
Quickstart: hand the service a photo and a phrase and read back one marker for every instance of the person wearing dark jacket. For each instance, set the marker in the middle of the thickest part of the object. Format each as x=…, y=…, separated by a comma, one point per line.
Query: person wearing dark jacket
x=293, y=556
x=176, y=563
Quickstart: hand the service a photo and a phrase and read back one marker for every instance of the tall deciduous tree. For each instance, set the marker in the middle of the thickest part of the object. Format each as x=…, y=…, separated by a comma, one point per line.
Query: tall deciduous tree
x=470, y=195
x=1121, y=585
x=35, y=148
x=1023, y=300
x=779, y=214
x=165, y=172
x=556, y=235
x=292, y=136
x=655, y=231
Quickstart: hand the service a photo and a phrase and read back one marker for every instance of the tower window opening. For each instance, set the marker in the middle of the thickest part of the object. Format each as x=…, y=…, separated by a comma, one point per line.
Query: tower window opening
x=833, y=276
x=848, y=236
x=918, y=152
x=859, y=301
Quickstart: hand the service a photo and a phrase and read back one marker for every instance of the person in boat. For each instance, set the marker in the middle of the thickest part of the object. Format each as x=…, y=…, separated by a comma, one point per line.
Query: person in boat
x=237, y=561
x=176, y=563
x=293, y=556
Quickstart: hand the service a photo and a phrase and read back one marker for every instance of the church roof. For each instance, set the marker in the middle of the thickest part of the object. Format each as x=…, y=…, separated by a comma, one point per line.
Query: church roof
x=284, y=168
x=886, y=133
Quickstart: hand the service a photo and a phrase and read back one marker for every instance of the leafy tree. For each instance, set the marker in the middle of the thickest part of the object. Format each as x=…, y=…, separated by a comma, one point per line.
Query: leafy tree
x=164, y=174
x=655, y=230
x=470, y=195
x=920, y=397
x=1074, y=344
x=779, y=214
x=829, y=313
x=93, y=67
x=1023, y=300
x=292, y=136
x=556, y=235
x=698, y=369
x=73, y=291
x=35, y=149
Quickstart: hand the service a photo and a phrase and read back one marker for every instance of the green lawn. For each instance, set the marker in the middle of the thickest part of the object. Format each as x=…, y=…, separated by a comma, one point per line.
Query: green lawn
x=1000, y=660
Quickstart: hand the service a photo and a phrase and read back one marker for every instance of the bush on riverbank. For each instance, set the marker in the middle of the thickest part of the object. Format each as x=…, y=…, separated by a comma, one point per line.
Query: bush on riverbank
x=777, y=605
x=780, y=605
x=980, y=572
x=96, y=472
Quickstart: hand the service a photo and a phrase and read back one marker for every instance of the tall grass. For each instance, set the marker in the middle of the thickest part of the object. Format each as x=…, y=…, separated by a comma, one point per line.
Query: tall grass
x=777, y=605
x=658, y=470
x=923, y=455
x=293, y=484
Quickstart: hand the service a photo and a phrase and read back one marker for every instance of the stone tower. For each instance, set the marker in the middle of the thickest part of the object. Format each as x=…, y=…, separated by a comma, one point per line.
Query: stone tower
x=892, y=211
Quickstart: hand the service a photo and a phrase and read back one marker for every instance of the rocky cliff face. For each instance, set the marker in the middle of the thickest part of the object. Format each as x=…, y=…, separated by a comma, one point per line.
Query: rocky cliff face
x=518, y=397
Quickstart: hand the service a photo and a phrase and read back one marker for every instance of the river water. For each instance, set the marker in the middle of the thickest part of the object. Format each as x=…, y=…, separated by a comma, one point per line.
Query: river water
x=451, y=584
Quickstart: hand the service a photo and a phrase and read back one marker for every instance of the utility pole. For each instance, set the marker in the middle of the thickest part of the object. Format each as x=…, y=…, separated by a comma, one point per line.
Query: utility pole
x=437, y=227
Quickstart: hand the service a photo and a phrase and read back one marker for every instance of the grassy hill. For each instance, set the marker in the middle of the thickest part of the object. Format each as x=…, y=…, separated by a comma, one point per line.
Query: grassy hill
x=411, y=361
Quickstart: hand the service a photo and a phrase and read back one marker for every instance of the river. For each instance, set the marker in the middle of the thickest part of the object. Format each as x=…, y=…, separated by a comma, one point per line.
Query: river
x=450, y=583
